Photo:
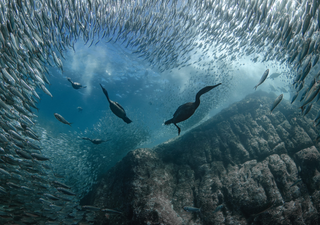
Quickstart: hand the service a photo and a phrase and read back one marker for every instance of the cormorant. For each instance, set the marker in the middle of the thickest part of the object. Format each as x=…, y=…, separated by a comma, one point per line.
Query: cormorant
x=186, y=110
x=75, y=85
x=95, y=141
x=116, y=108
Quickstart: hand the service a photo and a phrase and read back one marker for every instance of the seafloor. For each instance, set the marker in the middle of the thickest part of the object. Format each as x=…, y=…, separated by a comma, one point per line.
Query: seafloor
x=244, y=158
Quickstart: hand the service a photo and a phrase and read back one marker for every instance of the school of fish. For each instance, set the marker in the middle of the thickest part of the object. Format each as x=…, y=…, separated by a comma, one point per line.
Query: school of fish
x=166, y=33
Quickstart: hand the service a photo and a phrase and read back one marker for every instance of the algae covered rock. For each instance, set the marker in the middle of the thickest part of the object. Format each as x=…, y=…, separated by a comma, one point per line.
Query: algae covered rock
x=260, y=168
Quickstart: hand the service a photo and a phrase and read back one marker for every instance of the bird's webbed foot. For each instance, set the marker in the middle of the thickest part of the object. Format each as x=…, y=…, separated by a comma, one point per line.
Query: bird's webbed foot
x=179, y=130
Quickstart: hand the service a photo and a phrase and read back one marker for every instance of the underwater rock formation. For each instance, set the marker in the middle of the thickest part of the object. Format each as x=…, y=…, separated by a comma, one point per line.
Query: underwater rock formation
x=263, y=167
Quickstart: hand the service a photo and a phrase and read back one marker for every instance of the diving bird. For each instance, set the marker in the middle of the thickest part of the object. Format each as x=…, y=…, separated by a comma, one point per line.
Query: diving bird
x=75, y=85
x=116, y=108
x=94, y=141
x=186, y=110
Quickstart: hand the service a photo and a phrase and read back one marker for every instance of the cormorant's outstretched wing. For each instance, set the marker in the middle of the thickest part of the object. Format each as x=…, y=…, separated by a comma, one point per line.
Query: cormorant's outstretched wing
x=118, y=105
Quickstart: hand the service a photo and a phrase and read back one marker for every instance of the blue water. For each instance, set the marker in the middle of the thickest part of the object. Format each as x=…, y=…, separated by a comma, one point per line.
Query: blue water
x=148, y=96
x=193, y=45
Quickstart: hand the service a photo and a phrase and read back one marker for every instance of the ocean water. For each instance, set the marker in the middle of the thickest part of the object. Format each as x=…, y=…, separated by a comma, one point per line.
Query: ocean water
x=151, y=57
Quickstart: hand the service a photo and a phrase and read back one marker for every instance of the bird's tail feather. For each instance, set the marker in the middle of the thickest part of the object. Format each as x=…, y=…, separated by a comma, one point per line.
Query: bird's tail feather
x=168, y=122
x=127, y=120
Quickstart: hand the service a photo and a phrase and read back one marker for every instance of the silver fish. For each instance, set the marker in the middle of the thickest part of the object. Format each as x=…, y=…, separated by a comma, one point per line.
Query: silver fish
x=306, y=109
x=3, y=171
x=23, y=154
x=90, y=208
x=16, y=135
x=276, y=102
x=191, y=209
x=61, y=119
x=45, y=90
x=2, y=190
x=8, y=77
x=57, y=183
x=50, y=196
x=65, y=191
x=39, y=157
x=29, y=144
x=263, y=78
x=313, y=92
x=306, y=24
x=296, y=182
x=111, y=211
x=32, y=135
x=317, y=117
x=218, y=208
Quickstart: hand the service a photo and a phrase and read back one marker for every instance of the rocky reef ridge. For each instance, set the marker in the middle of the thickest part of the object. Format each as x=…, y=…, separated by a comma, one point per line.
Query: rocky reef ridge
x=260, y=168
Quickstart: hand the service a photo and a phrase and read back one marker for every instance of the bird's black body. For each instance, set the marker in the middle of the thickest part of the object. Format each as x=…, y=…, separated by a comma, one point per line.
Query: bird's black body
x=75, y=85
x=187, y=110
x=94, y=141
x=116, y=108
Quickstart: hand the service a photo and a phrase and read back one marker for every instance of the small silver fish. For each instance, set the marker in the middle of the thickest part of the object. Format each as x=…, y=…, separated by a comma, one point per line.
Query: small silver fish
x=39, y=157
x=90, y=208
x=23, y=154
x=306, y=109
x=61, y=119
x=317, y=117
x=65, y=191
x=30, y=134
x=27, y=188
x=263, y=78
x=294, y=97
x=15, y=135
x=13, y=185
x=219, y=207
x=191, y=209
x=57, y=183
x=2, y=171
x=2, y=190
x=31, y=145
x=296, y=182
x=50, y=196
x=276, y=102
x=45, y=90
x=311, y=94
x=111, y=211
x=306, y=24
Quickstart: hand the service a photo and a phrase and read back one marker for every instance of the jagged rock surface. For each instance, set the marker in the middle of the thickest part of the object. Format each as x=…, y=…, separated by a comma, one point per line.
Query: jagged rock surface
x=244, y=158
